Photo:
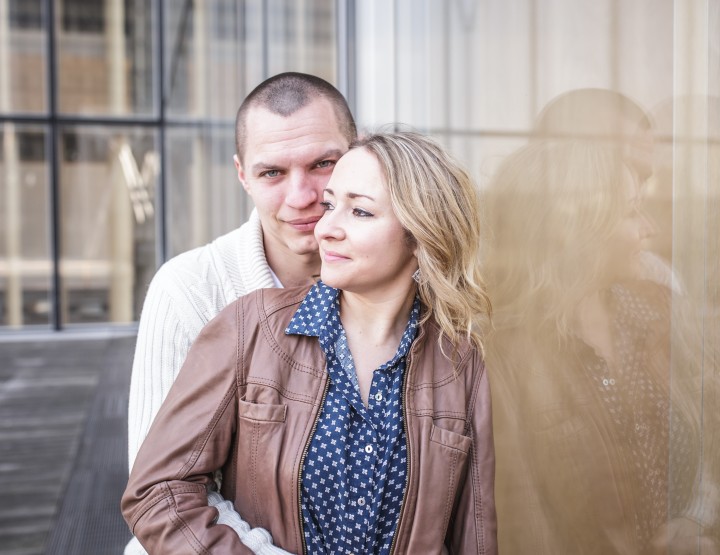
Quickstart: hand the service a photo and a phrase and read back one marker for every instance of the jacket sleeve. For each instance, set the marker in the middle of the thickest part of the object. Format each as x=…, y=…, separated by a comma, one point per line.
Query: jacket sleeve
x=165, y=503
x=473, y=528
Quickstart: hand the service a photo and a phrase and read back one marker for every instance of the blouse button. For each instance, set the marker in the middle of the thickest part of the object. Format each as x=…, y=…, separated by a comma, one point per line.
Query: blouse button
x=361, y=501
x=378, y=396
x=368, y=449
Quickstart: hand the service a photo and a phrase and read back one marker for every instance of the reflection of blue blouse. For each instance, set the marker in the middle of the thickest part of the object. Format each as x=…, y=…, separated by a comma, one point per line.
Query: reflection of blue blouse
x=354, y=475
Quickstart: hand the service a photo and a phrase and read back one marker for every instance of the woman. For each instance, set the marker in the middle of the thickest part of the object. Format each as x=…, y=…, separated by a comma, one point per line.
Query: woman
x=597, y=442
x=353, y=417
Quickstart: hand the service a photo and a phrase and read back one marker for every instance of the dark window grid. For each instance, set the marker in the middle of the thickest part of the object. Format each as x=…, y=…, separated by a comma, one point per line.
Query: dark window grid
x=25, y=14
x=78, y=147
x=83, y=146
x=81, y=16
x=31, y=146
x=78, y=16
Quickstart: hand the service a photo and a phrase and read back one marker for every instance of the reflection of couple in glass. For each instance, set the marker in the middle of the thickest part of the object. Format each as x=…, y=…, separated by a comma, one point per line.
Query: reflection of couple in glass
x=598, y=447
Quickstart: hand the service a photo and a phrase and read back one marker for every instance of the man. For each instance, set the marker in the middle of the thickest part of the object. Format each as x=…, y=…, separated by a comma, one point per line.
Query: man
x=290, y=131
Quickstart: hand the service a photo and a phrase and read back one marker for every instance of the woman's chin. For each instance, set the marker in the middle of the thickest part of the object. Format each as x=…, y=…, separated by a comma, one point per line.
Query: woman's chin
x=331, y=279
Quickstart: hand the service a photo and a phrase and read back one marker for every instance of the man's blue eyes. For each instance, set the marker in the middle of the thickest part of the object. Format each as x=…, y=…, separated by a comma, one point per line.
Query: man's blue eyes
x=276, y=173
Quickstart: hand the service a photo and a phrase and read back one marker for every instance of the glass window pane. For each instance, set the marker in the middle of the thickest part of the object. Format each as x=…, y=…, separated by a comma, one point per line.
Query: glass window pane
x=204, y=197
x=213, y=55
x=23, y=69
x=301, y=37
x=592, y=129
x=217, y=51
x=25, y=264
x=107, y=222
x=106, y=57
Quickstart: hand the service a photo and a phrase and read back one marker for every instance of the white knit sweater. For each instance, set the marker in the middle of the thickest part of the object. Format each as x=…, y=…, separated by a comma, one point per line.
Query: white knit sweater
x=186, y=293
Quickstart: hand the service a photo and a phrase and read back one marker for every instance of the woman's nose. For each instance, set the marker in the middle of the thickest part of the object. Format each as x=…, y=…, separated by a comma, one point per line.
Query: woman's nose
x=328, y=227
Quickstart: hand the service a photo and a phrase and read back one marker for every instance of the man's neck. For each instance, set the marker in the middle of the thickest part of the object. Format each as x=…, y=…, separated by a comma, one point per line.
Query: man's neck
x=294, y=270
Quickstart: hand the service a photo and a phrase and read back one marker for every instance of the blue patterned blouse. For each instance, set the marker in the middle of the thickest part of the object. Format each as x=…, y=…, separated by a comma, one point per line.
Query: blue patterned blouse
x=354, y=474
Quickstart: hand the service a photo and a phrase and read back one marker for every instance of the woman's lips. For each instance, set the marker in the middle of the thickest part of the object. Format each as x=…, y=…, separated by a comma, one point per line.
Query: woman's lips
x=331, y=256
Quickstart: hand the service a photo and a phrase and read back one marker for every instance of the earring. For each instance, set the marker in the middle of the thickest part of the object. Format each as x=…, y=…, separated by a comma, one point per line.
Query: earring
x=416, y=275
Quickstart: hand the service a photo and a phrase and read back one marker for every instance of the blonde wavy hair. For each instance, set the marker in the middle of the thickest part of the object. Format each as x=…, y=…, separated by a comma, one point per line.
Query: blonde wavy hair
x=437, y=203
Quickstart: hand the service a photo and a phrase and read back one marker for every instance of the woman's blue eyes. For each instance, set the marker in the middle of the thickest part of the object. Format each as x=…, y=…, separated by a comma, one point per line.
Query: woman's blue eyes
x=358, y=212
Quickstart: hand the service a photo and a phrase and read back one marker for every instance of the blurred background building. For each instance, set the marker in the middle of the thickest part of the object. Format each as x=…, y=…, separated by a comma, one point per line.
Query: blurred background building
x=116, y=115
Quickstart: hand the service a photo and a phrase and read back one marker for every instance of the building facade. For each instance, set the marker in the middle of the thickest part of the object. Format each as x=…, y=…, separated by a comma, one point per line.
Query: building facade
x=116, y=115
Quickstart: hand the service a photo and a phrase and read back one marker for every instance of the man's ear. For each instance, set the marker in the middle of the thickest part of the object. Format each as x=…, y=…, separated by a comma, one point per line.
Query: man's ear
x=240, y=173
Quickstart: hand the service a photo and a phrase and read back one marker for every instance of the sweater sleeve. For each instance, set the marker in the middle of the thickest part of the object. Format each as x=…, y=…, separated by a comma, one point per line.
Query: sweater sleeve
x=162, y=344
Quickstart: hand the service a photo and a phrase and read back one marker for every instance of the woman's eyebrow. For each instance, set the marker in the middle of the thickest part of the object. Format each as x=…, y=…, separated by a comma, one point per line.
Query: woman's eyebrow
x=349, y=195
x=356, y=195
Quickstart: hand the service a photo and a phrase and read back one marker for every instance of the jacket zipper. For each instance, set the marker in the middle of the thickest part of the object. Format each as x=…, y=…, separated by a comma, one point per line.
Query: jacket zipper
x=302, y=462
x=407, y=462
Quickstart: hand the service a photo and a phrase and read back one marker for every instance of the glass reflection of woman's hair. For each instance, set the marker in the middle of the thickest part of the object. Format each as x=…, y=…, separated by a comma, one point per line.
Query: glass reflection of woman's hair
x=551, y=207
x=437, y=203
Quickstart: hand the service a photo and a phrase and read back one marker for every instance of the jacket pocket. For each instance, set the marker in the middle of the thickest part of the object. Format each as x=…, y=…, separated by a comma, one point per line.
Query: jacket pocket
x=443, y=469
x=261, y=412
x=261, y=431
x=450, y=439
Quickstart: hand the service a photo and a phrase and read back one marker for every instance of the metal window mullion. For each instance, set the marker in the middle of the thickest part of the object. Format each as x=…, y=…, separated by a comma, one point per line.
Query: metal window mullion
x=265, y=41
x=54, y=159
x=346, y=51
x=161, y=233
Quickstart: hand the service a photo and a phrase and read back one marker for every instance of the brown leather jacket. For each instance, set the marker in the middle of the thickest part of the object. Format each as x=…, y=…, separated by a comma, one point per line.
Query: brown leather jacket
x=246, y=401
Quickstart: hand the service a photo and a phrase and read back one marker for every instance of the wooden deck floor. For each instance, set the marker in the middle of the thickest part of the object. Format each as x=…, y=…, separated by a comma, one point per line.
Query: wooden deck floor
x=63, y=410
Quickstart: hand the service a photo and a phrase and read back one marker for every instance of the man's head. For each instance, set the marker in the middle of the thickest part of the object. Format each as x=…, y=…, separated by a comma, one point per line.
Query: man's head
x=284, y=94
x=290, y=132
x=601, y=115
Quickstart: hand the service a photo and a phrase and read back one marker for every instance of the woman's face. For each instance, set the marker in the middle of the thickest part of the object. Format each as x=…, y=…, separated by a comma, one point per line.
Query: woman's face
x=626, y=243
x=363, y=247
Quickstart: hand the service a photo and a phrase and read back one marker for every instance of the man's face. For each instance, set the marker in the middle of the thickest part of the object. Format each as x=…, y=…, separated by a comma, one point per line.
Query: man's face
x=286, y=165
